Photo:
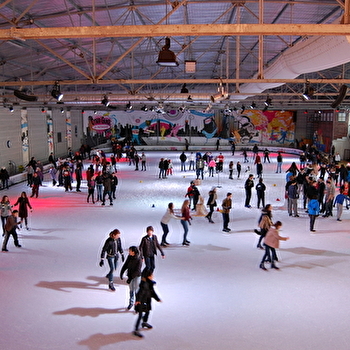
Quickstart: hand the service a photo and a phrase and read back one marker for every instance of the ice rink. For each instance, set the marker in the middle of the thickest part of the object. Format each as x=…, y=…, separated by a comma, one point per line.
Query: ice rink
x=214, y=296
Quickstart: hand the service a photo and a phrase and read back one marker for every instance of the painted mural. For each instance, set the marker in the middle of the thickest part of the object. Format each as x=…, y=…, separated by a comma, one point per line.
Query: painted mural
x=243, y=127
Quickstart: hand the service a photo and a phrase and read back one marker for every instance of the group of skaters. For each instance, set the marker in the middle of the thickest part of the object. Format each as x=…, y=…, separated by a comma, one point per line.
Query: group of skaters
x=10, y=216
x=140, y=281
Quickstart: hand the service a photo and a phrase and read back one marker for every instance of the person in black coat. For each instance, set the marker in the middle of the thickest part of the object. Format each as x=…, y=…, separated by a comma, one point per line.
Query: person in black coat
x=143, y=304
x=148, y=248
x=111, y=248
x=133, y=265
x=249, y=184
x=260, y=192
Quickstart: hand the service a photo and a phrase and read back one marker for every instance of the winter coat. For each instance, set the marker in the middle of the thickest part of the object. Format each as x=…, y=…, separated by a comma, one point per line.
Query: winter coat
x=272, y=238
x=313, y=207
x=112, y=247
x=133, y=264
x=145, y=294
x=149, y=245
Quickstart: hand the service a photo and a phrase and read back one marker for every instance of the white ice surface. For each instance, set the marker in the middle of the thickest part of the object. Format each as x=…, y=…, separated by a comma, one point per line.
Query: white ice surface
x=55, y=296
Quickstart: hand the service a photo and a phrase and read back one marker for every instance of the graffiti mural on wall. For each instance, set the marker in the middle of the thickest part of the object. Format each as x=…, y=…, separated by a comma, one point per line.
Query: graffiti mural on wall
x=248, y=127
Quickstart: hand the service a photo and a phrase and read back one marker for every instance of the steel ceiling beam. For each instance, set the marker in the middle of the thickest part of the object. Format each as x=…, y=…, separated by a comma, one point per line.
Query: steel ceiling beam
x=174, y=81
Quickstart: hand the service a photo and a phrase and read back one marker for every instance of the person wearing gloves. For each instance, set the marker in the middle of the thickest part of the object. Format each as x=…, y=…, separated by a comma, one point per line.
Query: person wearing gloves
x=111, y=248
x=133, y=264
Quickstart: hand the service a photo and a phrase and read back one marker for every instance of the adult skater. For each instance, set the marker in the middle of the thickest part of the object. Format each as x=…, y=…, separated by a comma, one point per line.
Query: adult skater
x=249, y=184
x=211, y=203
x=143, y=304
x=186, y=217
x=5, y=207
x=23, y=205
x=226, y=207
x=10, y=229
x=111, y=248
x=133, y=265
x=148, y=248
x=169, y=214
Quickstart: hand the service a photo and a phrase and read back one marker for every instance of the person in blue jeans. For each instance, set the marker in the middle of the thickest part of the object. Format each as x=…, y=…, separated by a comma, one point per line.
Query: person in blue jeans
x=133, y=265
x=185, y=220
x=111, y=248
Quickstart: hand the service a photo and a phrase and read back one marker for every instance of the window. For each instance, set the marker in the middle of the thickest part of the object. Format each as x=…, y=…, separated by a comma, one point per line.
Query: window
x=59, y=137
x=341, y=117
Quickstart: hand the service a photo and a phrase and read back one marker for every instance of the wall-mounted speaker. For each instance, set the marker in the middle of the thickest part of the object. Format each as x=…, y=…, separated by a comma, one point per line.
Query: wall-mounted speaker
x=342, y=93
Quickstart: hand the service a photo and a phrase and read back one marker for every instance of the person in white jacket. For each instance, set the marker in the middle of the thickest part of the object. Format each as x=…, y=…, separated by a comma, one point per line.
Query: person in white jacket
x=169, y=214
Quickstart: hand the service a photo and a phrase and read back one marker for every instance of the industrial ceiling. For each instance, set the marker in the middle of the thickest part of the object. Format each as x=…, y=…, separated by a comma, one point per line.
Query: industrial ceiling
x=228, y=53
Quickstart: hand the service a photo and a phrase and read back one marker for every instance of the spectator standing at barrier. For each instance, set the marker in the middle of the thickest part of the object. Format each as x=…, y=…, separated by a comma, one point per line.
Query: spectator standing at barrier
x=4, y=176
x=183, y=159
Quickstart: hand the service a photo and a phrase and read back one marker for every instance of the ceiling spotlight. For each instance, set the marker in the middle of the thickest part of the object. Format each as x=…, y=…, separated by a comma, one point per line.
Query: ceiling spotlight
x=253, y=105
x=268, y=101
x=184, y=89
x=11, y=109
x=220, y=95
x=144, y=108
x=56, y=92
x=62, y=110
x=166, y=57
x=42, y=110
x=105, y=101
x=82, y=111
x=308, y=92
x=189, y=99
x=128, y=105
x=182, y=109
x=95, y=112
x=151, y=109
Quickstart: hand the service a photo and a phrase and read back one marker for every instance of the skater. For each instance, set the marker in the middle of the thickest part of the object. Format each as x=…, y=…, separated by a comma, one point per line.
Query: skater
x=10, y=229
x=24, y=204
x=169, y=214
x=271, y=244
x=111, y=248
x=226, y=207
x=133, y=265
x=148, y=248
x=143, y=301
x=185, y=220
x=211, y=203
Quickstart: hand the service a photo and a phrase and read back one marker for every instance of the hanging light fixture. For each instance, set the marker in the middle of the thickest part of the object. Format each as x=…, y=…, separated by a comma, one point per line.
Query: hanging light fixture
x=11, y=109
x=105, y=101
x=56, y=92
x=128, y=105
x=166, y=57
x=253, y=105
x=184, y=89
x=308, y=92
x=220, y=95
x=144, y=108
